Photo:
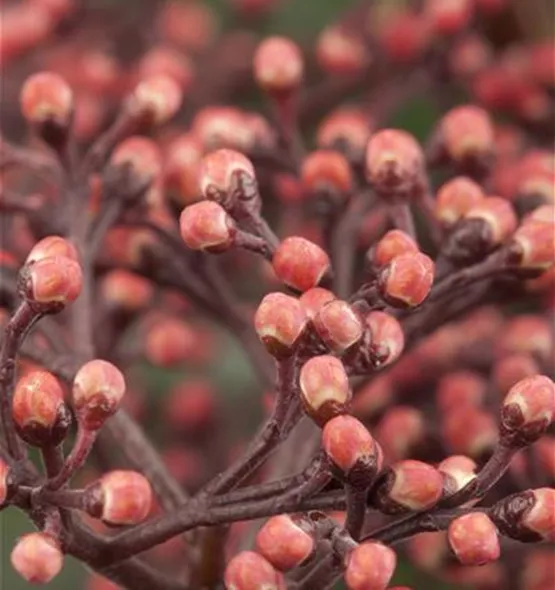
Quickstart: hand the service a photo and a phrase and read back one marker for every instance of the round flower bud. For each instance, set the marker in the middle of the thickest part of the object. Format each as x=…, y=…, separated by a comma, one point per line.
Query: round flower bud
x=393, y=244
x=170, y=342
x=528, y=408
x=191, y=406
x=460, y=389
x=121, y=497
x=38, y=409
x=341, y=51
x=473, y=539
x=54, y=281
x=394, y=162
x=314, y=299
x=545, y=213
x=408, y=486
x=250, y=571
x=218, y=174
x=98, y=389
x=540, y=518
x=387, y=341
x=509, y=370
x=37, y=558
x=499, y=216
x=280, y=322
x=346, y=129
x=142, y=156
x=284, y=543
x=327, y=169
x=533, y=245
x=325, y=390
x=278, y=65
x=399, y=431
x=455, y=199
x=182, y=160
x=458, y=472
x=207, y=226
x=126, y=291
x=449, y=16
x=407, y=280
x=299, y=263
x=370, y=566
x=469, y=431
x=467, y=132
x=52, y=246
x=46, y=98
x=157, y=97
x=350, y=446
x=338, y=325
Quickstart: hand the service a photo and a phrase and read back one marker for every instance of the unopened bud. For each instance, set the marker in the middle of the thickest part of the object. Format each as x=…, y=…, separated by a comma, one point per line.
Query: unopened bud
x=250, y=571
x=37, y=558
x=300, y=264
x=207, y=226
x=370, y=566
x=473, y=539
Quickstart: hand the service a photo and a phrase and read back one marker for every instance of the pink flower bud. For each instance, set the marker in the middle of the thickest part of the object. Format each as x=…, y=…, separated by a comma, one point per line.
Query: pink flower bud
x=191, y=405
x=46, y=97
x=409, y=486
x=280, y=322
x=325, y=390
x=37, y=558
x=498, y=215
x=460, y=388
x=393, y=244
x=182, y=159
x=166, y=61
x=467, y=132
x=527, y=333
x=407, y=280
x=449, y=16
x=529, y=407
x=122, y=497
x=98, y=389
x=341, y=51
x=533, y=245
x=52, y=246
x=249, y=571
x=299, y=263
x=278, y=65
x=126, y=291
x=38, y=409
x=347, y=128
x=373, y=396
x=544, y=452
x=540, y=518
x=284, y=543
x=455, y=198
x=545, y=213
x=400, y=430
x=428, y=550
x=509, y=370
x=327, y=170
x=473, y=539
x=157, y=97
x=348, y=444
x=394, y=162
x=459, y=471
x=388, y=339
x=207, y=226
x=338, y=325
x=170, y=342
x=314, y=299
x=370, y=566
x=53, y=281
x=218, y=172
x=141, y=155
x=469, y=431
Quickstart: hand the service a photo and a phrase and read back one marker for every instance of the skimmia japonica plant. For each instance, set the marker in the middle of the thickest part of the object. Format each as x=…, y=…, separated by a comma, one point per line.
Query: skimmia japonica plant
x=394, y=296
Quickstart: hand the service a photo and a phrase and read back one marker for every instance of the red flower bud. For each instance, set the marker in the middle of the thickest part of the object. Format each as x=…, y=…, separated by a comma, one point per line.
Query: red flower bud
x=182, y=160
x=249, y=571
x=449, y=16
x=53, y=281
x=122, y=497
x=393, y=244
x=38, y=409
x=327, y=169
x=529, y=407
x=370, y=566
x=314, y=299
x=207, y=226
x=469, y=431
x=280, y=322
x=467, y=132
x=394, y=162
x=341, y=51
x=388, y=339
x=455, y=199
x=473, y=539
x=345, y=128
x=37, y=558
x=498, y=215
x=509, y=370
x=191, y=405
x=408, y=486
x=459, y=471
x=399, y=431
x=217, y=173
x=325, y=390
x=545, y=213
x=98, y=389
x=46, y=97
x=284, y=543
x=170, y=342
x=125, y=290
x=278, y=65
x=540, y=518
x=299, y=263
x=164, y=60
x=407, y=280
x=52, y=246
x=157, y=97
x=349, y=445
x=338, y=325
x=428, y=550
x=373, y=396
x=141, y=155
x=460, y=389
x=533, y=245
